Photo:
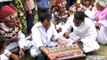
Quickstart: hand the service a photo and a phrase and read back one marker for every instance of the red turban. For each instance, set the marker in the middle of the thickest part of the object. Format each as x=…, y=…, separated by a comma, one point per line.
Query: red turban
x=6, y=11
x=59, y=1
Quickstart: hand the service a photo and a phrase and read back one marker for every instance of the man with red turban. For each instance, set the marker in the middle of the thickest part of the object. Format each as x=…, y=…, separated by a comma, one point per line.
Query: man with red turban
x=10, y=28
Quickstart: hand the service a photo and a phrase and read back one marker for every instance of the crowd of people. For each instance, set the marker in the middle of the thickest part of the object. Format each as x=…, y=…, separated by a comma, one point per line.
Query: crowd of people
x=58, y=21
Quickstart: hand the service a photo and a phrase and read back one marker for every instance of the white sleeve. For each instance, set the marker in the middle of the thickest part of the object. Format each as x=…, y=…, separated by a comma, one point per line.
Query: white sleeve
x=90, y=14
x=7, y=53
x=55, y=34
x=67, y=26
x=22, y=39
x=91, y=35
x=36, y=39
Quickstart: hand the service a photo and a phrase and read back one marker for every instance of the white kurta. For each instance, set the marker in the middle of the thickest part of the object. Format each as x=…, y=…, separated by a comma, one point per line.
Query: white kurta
x=5, y=55
x=86, y=31
x=102, y=35
x=21, y=37
x=41, y=37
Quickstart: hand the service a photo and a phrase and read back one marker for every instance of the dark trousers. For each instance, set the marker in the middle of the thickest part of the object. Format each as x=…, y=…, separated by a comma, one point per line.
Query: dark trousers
x=30, y=20
x=42, y=56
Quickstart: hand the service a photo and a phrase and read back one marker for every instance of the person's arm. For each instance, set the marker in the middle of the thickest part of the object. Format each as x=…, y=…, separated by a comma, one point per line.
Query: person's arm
x=21, y=53
x=103, y=14
x=69, y=24
x=11, y=55
x=67, y=27
x=14, y=57
x=43, y=49
x=29, y=5
x=55, y=36
x=21, y=43
x=60, y=41
x=36, y=38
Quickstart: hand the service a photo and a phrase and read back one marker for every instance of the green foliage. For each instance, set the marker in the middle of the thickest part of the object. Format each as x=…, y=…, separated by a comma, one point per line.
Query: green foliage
x=20, y=11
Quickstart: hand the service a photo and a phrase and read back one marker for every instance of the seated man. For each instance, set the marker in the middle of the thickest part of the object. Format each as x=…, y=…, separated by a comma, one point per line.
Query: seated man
x=84, y=28
x=43, y=35
x=102, y=34
x=59, y=12
x=10, y=28
x=99, y=15
x=5, y=54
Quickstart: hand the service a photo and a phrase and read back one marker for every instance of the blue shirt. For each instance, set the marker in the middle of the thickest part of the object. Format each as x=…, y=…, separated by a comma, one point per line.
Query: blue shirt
x=44, y=4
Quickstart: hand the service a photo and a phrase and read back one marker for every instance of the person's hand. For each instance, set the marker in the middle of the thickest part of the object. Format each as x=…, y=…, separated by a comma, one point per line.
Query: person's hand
x=14, y=57
x=97, y=19
x=59, y=30
x=21, y=53
x=61, y=42
x=51, y=56
x=67, y=35
x=30, y=11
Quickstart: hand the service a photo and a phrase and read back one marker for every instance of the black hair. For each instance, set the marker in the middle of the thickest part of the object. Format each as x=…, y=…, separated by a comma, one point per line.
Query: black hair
x=2, y=41
x=45, y=16
x=79, y=15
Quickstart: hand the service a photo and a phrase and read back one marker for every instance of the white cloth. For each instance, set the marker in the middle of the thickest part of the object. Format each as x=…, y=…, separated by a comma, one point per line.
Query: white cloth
x=21, y=36
x=103, y=22
x=5, y=55
x=71, y=39
x=27, y=44
x=102, y=35
x=90, y=14
x=12, y=45
x=42, y=38
x=86, y=31
x=5, y=0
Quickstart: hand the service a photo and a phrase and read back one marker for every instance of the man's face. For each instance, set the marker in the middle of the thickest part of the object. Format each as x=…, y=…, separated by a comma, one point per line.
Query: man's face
x=46, y=24
x=62, y=9
x=62, y=6
x=100, y=8
x=12, y=22
x=86, y=3
x=77, y=23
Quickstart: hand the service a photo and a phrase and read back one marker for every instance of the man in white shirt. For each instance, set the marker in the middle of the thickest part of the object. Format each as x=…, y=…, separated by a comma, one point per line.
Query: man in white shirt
x=102, y=33
x=43, y=35
x=85, y=29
